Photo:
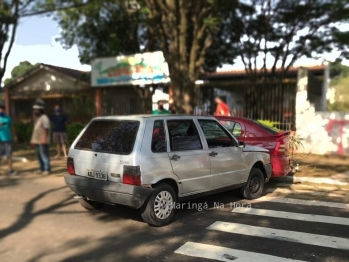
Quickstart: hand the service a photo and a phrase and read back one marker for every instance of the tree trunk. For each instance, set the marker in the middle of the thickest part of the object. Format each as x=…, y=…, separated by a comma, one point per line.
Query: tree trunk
x=183, y=92
x=146, y=96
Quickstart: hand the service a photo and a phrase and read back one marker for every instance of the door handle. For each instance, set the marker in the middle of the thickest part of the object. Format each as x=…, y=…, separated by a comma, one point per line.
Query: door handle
x=175, y=157
x=213, y=153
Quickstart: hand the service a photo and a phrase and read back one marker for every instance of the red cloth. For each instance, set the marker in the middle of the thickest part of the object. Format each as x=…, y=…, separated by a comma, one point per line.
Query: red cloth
x=222, y=109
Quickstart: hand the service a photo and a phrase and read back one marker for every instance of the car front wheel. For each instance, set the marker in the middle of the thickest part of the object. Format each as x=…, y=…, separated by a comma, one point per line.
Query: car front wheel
x=159, y=210
x=255, y=184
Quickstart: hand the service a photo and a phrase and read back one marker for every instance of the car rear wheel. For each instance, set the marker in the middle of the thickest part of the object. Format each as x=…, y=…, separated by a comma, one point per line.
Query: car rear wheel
x=255, y=184
x=90, y=205
x=159, y=210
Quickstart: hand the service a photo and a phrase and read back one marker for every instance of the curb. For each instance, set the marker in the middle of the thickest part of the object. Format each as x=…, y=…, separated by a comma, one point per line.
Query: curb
x=314, y=180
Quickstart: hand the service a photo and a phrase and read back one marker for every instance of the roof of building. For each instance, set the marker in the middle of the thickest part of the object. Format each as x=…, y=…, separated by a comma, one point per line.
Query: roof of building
x=242, y=72
x=83, y=76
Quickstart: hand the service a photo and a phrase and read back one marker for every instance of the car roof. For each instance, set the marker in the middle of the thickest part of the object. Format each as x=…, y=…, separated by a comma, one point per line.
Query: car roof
x=135, y=117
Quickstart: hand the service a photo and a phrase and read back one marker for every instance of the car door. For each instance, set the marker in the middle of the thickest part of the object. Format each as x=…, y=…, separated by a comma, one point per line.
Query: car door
x=227, y=159
x=189, y=160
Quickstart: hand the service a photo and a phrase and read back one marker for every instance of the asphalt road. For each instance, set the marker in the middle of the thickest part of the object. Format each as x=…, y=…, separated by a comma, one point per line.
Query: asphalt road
x=40, y=221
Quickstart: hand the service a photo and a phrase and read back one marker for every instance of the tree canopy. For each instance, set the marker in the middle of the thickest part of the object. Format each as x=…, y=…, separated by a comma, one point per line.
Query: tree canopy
x=20, y=70
x=198, y=35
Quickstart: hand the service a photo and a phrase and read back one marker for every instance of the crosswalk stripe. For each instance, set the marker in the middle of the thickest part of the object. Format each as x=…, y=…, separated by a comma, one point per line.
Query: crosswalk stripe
x=301, y=191
x=278, y=234
x=302, y=202
x=226, y=254
x=294, y=216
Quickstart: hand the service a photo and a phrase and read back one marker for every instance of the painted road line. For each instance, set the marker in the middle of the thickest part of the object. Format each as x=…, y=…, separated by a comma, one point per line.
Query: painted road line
x=226, y=254
x=301, y=191
x=318, y=187
x=278, y=234
x=294, y=216
x=315, y=180
x=301, y=202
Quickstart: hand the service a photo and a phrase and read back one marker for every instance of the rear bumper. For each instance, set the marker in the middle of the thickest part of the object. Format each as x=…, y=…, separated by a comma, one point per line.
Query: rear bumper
x=281, y=165
x=108, y=192
x=268, y=170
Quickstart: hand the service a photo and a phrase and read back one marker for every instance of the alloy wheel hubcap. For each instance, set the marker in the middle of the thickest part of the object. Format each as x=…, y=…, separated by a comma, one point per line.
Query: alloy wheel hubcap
x=163, y=205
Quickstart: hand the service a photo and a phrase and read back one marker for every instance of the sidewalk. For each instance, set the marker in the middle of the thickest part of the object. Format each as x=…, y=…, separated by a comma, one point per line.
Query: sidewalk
x=25, y=162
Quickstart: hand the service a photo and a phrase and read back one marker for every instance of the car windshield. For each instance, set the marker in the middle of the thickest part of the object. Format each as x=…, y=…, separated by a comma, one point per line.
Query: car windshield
x=109, y=136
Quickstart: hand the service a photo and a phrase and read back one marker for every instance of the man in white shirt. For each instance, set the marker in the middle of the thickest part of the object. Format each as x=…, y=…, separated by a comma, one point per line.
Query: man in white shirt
x=41, y=137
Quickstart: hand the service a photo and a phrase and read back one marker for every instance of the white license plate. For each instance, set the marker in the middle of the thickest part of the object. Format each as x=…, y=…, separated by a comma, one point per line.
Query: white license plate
x=97, y=174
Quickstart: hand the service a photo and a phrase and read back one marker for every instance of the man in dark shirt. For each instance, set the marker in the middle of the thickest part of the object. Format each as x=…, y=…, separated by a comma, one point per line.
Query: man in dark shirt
x=59, y=121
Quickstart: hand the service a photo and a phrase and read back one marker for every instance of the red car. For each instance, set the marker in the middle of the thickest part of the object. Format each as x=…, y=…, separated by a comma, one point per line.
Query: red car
x=256, y=134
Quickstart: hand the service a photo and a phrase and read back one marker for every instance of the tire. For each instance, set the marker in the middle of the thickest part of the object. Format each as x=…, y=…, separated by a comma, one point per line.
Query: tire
x=90, y=205
x=255, y=184
x=160, y=215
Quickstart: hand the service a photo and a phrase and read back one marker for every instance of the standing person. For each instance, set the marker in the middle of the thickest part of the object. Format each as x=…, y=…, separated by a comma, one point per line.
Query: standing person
x=7, y=135
x=41, y=137
x=161, y=110
x=59, y=121
x=222, y=108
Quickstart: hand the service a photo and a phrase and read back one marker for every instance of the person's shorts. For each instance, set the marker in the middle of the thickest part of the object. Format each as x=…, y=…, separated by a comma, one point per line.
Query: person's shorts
x=59, y=137
x=5, y=149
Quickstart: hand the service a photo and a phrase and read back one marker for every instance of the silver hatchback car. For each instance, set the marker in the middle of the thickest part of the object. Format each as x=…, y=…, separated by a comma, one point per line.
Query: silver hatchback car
x=153, y=162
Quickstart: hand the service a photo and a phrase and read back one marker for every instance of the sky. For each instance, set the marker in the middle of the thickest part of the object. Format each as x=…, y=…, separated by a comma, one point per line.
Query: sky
x=35, y=42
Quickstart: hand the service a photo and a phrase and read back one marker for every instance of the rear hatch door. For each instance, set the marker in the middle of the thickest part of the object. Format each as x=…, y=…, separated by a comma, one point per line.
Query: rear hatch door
x=105, y=147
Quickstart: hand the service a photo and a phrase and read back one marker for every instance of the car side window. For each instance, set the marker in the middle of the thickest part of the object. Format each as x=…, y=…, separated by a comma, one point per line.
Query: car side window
x=183, y=135
x=215, y=135
x=158, y=142
x=237, y=130
x=233, y=127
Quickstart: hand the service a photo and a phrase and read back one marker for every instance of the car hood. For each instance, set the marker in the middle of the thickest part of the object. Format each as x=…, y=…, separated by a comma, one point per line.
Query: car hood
x=248, y=148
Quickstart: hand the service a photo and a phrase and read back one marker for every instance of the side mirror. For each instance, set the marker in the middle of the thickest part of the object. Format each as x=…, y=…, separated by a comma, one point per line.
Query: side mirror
x=242, y=144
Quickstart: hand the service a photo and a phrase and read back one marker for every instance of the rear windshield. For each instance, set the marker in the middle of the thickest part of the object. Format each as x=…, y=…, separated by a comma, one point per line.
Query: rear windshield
x=109, y=136
x=267, y=128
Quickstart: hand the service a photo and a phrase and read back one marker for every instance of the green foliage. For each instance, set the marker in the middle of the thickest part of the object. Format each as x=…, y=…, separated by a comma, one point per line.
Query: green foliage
x=272, y=125
x=23, y=132
x=294, y=143
x=73, y=130
x=339, y=81
x=20, y=70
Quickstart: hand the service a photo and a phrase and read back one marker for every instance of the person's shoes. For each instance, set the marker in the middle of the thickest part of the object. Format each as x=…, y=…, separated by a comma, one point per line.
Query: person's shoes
x=11, y=173
x=38, y=172
x=45, y=173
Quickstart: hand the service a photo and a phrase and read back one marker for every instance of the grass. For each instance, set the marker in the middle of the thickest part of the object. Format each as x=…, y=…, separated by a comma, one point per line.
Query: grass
x=320, y=166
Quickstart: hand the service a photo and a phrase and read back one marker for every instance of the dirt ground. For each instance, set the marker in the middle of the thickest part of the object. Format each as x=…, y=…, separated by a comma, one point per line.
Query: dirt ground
x=320, y=166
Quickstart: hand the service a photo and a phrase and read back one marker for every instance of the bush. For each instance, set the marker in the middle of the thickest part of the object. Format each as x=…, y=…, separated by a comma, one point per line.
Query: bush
x=270, y=124
x=73, y=130
x=23, y=132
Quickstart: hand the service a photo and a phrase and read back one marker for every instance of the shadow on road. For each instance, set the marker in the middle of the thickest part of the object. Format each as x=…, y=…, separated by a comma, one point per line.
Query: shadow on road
x=28, y=213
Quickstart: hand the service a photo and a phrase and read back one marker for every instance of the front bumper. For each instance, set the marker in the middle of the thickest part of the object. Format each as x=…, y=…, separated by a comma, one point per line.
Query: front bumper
x=268, y=170
x=108, y=192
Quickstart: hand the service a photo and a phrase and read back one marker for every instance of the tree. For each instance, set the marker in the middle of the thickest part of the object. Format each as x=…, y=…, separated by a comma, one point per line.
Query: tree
x=182, y=30
x=282, y=31
x=9, y=12
x=20, y=70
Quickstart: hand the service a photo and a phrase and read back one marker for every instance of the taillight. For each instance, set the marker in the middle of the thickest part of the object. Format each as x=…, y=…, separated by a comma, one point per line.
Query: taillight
x=70, y=166
x=279, y=149
x=132, y=175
